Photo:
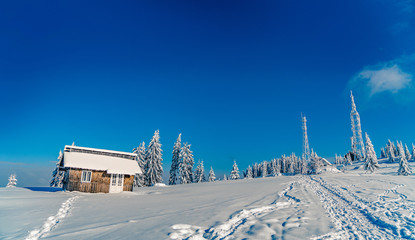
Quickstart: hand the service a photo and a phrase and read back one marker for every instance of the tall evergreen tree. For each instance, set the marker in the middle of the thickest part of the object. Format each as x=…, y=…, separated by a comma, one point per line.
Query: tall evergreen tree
x=413, y=151
x=404, y=168
x=57, y=175
x=186, y=164
x=235, y=172
x=371, y=161
x=174, y=170
x=407, y=153
x=140, y=151
x=304, y=166
x=264, y=169
x=199, y=175
x=211, y=177
x=274, y=170
x=153, y=166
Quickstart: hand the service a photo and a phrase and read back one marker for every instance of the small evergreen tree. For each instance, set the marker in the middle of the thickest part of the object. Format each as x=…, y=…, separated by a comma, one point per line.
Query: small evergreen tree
x=140, y=151
x=249, y=173
x=153, y=166
x=371, y=161
x=404, y=168
x=235, y=172
x=57, y=175
x=199, y=175
x=211, y=177
x=316, y=163
x=186, y=164
x=225, y=178
x=12, y=181
x=304, y=166
x=174, y=170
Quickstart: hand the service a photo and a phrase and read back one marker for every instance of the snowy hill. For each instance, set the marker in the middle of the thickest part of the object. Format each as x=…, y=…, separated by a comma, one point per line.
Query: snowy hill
x=331, y=205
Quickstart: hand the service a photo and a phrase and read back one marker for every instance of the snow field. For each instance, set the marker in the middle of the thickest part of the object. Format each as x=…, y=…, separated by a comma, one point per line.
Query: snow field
x=52, y=221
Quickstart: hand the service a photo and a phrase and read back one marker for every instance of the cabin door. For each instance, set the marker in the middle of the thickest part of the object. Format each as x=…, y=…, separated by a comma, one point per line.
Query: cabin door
x=117, y=183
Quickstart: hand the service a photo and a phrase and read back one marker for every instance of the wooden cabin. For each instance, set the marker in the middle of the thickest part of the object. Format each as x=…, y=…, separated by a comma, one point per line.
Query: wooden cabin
x=98, y=170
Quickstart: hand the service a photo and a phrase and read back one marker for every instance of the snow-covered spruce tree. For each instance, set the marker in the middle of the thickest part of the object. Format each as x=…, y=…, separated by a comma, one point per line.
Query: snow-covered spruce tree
x=407, y=153
x=140, y=151
x=264, y=169
x=290, y=169
x=186, y=164
x=174, y=170
x=57, y=175
x=304, y=166
x=153, y=166
x=391, y=153
x=413, y=151
x=274, y=171
x=371, y=161
x=249, y=173
x=199, y=175
x=404, y=168
x=225, y=178
x=12, y=181
x=383, y=153
x=211, y=177
x=316, y=163
x=235, y=172
x=255, y=170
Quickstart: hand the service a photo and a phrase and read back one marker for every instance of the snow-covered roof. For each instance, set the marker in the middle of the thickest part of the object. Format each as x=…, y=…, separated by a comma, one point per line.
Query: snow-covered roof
x=109, y=164
x=69, y=148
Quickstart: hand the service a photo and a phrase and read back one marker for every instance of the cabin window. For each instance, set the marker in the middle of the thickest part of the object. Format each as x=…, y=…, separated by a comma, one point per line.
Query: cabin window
x=86, y=176
x=114, y=180
x=120, y=179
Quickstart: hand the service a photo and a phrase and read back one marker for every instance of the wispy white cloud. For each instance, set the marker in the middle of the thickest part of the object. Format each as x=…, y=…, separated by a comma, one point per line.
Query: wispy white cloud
x=395, y=78
x=387, y=78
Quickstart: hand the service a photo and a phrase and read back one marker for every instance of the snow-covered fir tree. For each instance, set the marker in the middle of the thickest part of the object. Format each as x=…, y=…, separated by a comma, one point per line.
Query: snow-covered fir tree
x=153, y=166
x=413, y=151
x=174, y=170
x=249, y=173
x=316, y=163
x=211, y=177
x=186, y=164
x=264, y=169
x=371, y=161
x=225, y=178
x=199, y=175
x=255, y=170
x=348, y=159
x=391, y=153
x=404, y=168
x=290, y=169
x=274, y=170
x=304, y=166
x=383, y=153
x=57, y=175
x=235, y=172
x=407, y=153
x=12, y=181
x=140, y=151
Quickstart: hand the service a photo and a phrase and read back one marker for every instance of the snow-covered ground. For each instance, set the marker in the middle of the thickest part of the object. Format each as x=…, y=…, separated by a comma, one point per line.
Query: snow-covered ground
x=350, y=205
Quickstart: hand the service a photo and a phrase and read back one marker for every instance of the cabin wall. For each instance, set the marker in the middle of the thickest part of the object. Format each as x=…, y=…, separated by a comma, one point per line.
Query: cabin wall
x=100, y=182
x=128, y=182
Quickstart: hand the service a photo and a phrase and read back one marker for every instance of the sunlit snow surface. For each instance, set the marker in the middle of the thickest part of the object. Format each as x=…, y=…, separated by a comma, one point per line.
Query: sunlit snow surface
x=350, y=205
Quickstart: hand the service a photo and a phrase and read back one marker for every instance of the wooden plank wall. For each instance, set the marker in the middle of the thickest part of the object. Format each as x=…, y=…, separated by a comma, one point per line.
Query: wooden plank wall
x=100, y=182
x=128, y=182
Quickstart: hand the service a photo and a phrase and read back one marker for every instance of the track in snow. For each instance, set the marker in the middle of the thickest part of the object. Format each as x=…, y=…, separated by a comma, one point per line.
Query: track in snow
x=357, y=218
x=52, y=221
x=235, y=222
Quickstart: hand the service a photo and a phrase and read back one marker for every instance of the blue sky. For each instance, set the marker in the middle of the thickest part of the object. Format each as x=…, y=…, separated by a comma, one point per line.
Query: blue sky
x=232, y=76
